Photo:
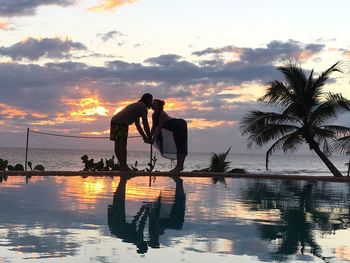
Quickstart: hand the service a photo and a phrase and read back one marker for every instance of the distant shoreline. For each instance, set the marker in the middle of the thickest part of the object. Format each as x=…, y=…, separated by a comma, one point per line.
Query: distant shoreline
x=300, y=153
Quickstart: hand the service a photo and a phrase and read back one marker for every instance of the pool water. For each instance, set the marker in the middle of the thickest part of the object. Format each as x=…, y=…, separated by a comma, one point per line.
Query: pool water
x=104, y=219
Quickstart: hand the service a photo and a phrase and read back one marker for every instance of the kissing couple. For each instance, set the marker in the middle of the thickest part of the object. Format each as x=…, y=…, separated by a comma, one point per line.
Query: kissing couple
x=168, y=135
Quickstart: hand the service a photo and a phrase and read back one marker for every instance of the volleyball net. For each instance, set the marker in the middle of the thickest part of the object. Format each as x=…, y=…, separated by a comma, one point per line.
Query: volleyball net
x=29, y=131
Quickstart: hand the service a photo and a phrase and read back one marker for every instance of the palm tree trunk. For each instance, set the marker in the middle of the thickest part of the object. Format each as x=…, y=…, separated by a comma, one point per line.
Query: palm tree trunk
x=327, y=162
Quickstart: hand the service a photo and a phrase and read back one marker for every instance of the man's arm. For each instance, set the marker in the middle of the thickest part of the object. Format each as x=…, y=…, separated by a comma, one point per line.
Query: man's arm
x=153, y=130
x=140, y=130
x=146, y=125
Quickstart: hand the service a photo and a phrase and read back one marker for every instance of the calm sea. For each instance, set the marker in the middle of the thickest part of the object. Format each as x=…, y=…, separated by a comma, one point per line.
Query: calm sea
x=69, y=160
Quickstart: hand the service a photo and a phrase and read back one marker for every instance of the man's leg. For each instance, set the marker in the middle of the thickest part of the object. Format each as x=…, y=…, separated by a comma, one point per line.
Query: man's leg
x=121, y=153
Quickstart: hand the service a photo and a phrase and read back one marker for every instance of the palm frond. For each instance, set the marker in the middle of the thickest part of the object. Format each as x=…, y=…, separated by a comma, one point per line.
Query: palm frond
x=337, y=129
x=287, y=143
x=265, y=126
x=321, y=133
x=270, y=132
x=342, y=145
x=218, y=162
x=294, y=76
x=277, y=94
x=327, y=148
x=334, y=105
x=255, y=120
x=318, y=83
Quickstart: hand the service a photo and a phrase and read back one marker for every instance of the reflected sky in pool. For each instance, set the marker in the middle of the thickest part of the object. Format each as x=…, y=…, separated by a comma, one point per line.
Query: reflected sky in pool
x=75, y=219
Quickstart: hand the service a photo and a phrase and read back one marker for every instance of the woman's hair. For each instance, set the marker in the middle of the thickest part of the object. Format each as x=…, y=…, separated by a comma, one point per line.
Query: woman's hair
x=160, y=104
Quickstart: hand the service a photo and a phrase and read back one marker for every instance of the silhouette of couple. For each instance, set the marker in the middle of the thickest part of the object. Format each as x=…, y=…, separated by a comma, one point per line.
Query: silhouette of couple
x=133, y=232
x=168, y=135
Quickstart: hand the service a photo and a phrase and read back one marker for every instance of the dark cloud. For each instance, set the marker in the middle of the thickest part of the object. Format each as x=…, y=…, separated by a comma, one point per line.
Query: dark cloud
x=34, y=49
x=315, y=47
x=198, y=85
x=39, y=87
x=274, y=51
x=10, y=8
x=210, y=51
x=164, y=60
x=110, y=35
x=172, y=70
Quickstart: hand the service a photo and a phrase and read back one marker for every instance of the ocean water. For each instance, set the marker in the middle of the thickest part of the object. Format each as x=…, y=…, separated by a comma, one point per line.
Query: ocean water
x=103, y=219
x=69, y=160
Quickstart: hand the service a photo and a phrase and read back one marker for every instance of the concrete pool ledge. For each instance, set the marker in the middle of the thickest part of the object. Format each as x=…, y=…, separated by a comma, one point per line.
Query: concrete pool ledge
x=182, y=174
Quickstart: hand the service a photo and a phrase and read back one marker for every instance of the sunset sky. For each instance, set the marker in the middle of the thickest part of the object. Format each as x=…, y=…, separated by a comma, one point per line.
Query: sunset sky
x=66, y=66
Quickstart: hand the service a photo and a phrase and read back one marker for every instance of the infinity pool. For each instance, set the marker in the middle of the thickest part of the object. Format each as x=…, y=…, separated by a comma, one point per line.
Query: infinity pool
x=99, y=219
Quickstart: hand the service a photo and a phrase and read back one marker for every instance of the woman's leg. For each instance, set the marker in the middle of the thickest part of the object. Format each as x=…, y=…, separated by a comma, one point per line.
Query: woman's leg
x=180, y=159
x=180, y=137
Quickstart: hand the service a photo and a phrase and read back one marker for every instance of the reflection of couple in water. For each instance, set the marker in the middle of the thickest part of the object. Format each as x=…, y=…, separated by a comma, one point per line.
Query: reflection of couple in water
x=168, y=135
x=133, y=232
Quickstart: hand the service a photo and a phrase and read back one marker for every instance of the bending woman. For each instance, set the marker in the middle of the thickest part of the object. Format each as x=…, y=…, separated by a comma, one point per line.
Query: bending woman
x=178, y=127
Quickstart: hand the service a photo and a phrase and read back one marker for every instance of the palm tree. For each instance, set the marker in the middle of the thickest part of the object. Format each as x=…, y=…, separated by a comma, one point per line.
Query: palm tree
x=305, y=110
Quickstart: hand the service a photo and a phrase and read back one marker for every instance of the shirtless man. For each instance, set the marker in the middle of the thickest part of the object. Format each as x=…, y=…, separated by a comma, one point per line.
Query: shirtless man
x=120, y=125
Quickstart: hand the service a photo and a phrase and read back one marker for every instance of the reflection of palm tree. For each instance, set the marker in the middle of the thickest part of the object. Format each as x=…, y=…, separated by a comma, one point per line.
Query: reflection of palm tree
x=300, y=214
x=134, y=232
x=305, y=111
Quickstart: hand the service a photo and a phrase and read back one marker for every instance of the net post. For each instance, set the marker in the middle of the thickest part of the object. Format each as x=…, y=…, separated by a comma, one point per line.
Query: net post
x=349, y=163
x=26, y=159
x=150, y=161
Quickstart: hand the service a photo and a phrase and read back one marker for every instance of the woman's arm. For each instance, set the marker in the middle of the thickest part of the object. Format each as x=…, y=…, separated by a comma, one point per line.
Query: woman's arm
x=159, y=127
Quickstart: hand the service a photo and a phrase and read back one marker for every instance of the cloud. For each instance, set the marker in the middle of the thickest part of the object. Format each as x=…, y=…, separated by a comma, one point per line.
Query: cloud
x=78, y=97
x=110, y=5
x=110, y=35
x=137, y=45
x=274, y=51
x=4, y=25
x=210, y=50
x=34, y=49
x=10, y=8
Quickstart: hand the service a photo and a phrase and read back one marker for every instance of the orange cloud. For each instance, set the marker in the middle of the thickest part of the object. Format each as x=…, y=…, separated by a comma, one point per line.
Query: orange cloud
x=4, y=25
x=204, y=124
x=110, y=5
x=39, y=115
x=89, y=106
x=175, y=104
x=11, y=112
x=96, y=132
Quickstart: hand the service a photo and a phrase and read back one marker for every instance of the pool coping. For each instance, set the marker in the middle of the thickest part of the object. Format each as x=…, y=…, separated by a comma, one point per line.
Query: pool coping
x=181, y=174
